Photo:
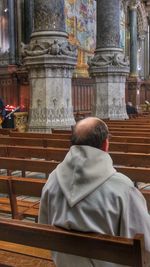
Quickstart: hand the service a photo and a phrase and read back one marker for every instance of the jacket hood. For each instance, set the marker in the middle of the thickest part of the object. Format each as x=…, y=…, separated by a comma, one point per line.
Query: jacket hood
x=83, y=170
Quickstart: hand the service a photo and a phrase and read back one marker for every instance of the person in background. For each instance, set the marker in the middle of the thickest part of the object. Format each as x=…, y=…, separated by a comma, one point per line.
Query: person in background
x=131, y=110
x=2, y=113
x=86, y=193
x=147, y=105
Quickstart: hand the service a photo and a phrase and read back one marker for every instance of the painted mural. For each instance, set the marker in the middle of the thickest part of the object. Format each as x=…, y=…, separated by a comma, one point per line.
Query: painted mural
x=81, y=27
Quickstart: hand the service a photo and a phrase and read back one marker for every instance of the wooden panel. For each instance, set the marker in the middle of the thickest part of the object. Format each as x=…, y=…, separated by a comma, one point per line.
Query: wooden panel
x=82, y=94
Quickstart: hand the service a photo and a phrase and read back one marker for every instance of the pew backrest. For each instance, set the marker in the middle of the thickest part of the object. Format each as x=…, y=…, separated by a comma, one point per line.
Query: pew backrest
x=41, y=135
x=16, y=141
x=125, y=251
x=17, y=186
x=130, y=159
x=130, y=139
x=48, y=153
x=24, y=165
x=58, y=154
x=129, y=147
x=130, y=133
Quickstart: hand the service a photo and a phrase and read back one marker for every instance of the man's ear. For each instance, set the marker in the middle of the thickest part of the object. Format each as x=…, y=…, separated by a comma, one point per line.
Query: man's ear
x=105, y=145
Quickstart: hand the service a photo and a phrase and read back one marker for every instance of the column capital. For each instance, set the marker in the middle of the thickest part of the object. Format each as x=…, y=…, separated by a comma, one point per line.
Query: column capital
x=134, y=4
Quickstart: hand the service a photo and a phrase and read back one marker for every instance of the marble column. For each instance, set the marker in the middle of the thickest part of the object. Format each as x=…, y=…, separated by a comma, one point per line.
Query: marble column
x=133, y=40
x=142, y=57
x=11, y=26
x=149, y=45
x=28, y=22
x=109, y=65
x=50, y=59
x=134, y=80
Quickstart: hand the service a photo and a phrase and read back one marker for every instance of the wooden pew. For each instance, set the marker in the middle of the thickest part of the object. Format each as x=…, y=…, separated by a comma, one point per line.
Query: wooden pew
x=129, y=129
x=25, y=187
x=31, y=151
x=125, y=251
x=24, y=165
x=16, y=141
x=59, y=143
x=5, y=131
x=32, y=187
x=61, y=131
x=48, y=153
x=130, y=139
x=129, y=147
x=137, y=120
x=128, y=133
x=41, y=135
x=138, y=174
x=57, y=155
x=130, y=159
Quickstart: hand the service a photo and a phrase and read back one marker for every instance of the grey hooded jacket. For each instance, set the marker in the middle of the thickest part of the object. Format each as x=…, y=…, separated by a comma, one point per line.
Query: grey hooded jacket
x=86, y=193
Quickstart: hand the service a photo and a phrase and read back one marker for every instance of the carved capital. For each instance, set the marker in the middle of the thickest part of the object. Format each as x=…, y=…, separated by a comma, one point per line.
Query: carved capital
x=55, y=48
x=134, y=4
x=115, y=59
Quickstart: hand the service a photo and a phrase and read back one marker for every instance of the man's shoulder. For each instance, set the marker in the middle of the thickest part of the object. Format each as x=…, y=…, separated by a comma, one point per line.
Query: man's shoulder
x=120, y=178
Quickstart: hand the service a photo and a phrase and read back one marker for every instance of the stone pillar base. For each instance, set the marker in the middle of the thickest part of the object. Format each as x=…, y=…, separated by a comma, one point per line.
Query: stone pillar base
x=50, y=66
x=42, y=119
x=110, y=95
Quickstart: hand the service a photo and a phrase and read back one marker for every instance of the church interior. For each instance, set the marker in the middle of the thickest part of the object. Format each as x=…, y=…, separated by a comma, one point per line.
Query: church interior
x=63, y=61
x=125, y=48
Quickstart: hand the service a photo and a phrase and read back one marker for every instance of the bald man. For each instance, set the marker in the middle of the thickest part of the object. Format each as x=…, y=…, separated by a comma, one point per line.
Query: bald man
x=86, y=193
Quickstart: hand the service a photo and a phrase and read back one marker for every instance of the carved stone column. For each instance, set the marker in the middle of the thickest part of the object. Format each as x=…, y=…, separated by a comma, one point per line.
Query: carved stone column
x=133, y=39
x=28, y=23
x=142, y=57
x=109, y=66
x=50, y=59
x=11, y=23
x=134, y=80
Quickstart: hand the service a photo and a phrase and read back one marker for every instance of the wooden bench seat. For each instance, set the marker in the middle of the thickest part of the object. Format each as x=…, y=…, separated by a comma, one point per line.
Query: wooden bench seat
x=25, y=187
x=127, y=251
x=23, y=211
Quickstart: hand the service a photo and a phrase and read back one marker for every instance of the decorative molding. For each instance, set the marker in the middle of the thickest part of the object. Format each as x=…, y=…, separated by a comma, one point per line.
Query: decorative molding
x=133, y=4
x=107, y=60
x=56, y=48
x=141, y=15
x=4, y=58
x=21, y=121
x=56, y=116
x=142, y=20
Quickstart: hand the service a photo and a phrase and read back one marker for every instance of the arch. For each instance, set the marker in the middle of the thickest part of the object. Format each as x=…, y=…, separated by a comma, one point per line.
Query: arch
x=142, y=20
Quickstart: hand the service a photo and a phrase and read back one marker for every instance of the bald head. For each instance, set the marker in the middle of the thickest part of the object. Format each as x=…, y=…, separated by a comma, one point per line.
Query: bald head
x=90, y=131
